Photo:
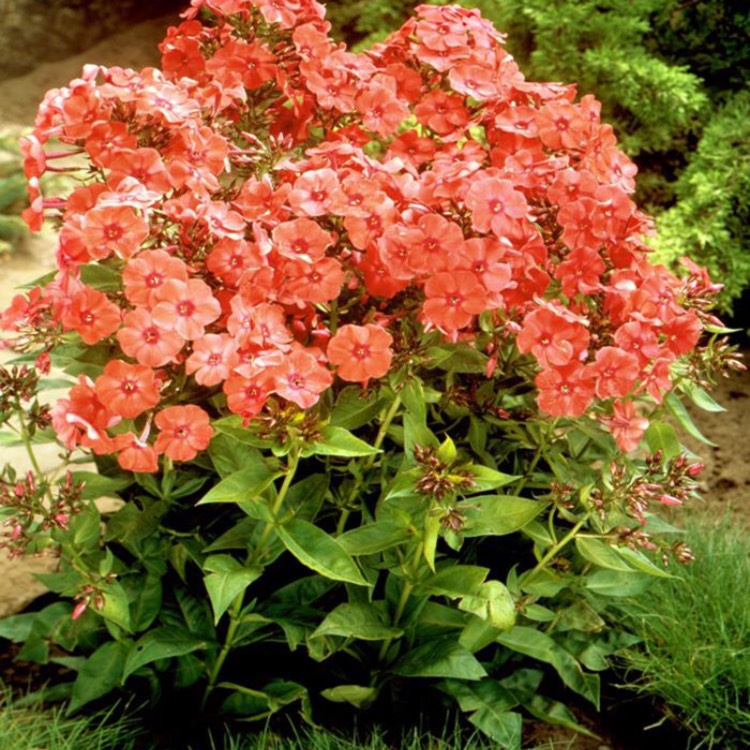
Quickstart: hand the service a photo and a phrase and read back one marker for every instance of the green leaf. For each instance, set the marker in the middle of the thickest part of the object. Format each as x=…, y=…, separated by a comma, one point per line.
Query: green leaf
x=362, y=621
x=617, y=558
x=444, y=658
x=354, y=410
x=504, y=727
x=616, y=583
x=116, y=608
x=459, y=358
x=679, y=412
x=486, y=478
x=161, y=643
x=497, y=515
x=244, y=488
x=700, y=397
x=555, y=712
x=455, y=581
x=492, y=603
x=359, y=696
x=229, y=455
x=537, y=645
x=233, y=428
x=661, y=436
x=374, y=537
x=320, y=552
x=489, y=703
x=101, y=673
x=412, y=395
x=226, y=580
x=336, y=441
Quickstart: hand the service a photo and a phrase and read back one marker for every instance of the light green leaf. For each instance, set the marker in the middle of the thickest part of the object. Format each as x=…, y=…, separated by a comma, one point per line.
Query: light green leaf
x=362, y=621
x=497, y=515
x=680, y=413
x=336, y=441
x=374, y=537
x=486, y=478
x=161, y=643
x=116, y=608
x=700, y=397
x=412, y=395
x=359, y=696
x=617, y=558
x=226, y=581
x=444, y=658
x=320, y=552
x=454, y=581
x=537, y=645
x=616, y=583
x=492, y=603
x=661, y=436
x=244, y=488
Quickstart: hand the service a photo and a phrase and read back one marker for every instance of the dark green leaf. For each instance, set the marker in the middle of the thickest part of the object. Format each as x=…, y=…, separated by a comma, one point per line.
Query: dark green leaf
x=354, y=410
x=374, y=537
x=362, y=621
x=161, y=643
x=444, y=658
x=497, y=515
x=319, y=551
x=101, y=673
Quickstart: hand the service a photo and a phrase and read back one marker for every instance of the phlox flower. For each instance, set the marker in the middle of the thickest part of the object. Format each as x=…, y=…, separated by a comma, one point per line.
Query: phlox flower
x=475, y=81
x=492, y=201
x=135, y=454
x=300, y=378
x=360, y=352
x=247, y=396
x=301, y=239
x=626, y=426
x=614, y=371
x=433, y=245
x=213, y=359
x=82, y=419
x=314, y=282
x=442, y=112
x=565, y=391
x=551, y=337
x=314, y=192
x=119, y=230
x=145, y=273
x=144, y=164
x=229, y=259
x=184, y=432
x=127, y=390
x=186, y=307
x=91, y=315
x=147, y=341
x=452, y=300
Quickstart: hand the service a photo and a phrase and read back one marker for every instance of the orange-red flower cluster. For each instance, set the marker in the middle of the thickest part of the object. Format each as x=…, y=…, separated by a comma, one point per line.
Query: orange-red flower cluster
x=272, y=206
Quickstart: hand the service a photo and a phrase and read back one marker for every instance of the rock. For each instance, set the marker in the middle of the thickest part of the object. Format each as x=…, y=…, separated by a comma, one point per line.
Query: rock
x=34, y=31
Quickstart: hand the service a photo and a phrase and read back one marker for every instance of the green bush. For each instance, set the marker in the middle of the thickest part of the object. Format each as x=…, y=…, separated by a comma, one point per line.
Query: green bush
x=695, y=656
x=711, y=220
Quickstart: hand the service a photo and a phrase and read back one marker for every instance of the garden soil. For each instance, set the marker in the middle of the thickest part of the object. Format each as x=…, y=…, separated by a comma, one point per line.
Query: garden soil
x=726, y=478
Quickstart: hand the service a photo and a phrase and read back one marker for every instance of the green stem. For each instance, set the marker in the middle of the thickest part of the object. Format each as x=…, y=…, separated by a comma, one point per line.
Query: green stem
x=236, y=607
x=541, y=448
x=360, y=483
x=555, y=550
x=26, y=439
x=403, y=599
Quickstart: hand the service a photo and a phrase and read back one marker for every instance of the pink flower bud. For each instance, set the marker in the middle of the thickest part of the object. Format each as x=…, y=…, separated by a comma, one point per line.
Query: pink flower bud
x=79, y=609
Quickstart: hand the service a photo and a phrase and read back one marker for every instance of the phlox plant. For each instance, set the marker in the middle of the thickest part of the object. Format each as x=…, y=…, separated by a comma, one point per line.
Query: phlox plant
x=371, y=351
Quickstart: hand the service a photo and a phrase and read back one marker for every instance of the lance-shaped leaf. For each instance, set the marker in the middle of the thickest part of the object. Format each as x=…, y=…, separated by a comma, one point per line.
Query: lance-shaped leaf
x=362, y=621
x=161, y=643
x=497, y=515
x=336, y=441
x=443, y=658
x=319, y=551
x=492, y=603
x=226, y=580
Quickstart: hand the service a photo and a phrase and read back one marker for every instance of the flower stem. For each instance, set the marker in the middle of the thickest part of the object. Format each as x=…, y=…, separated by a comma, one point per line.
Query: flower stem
x=360, y=483
x=555, y=550
x=235, y=609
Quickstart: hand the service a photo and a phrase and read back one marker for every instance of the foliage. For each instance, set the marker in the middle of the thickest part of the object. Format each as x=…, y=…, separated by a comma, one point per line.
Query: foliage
x=711, y=218
x=31, y=728
x=340, y=322
x=12, y=194
x=696, y=630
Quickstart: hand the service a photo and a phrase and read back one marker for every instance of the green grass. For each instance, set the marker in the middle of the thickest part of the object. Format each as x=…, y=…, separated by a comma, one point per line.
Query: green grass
x=33, y=728
x=696, y=631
